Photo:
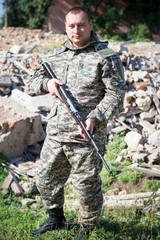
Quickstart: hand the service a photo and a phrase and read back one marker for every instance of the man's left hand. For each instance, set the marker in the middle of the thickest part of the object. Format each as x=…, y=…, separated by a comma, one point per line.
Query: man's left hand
x=89, y=126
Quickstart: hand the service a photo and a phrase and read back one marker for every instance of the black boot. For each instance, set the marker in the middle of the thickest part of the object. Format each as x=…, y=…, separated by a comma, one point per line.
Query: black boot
x=55, y=221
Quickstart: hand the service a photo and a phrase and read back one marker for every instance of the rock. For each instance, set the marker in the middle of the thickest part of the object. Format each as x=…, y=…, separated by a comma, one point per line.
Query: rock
x=33, y=104
x=154, y=156
x=119, y=129
x=5, y=81
x=7, y=182
x=36, y=205
x=148, y=116
x=140, y=75
x=133, y=139
x=16, y=49
x=155, y=62
x=124, y=192
x=112, y=192
x=143, y=101
x=154, y=139
x=147, y=127
x=26, y=166
x=27, y=201
x=29, y=187
x=123, y=58
x=139, y=157
x=119, y=159
x=15, y=189
x=20, y=134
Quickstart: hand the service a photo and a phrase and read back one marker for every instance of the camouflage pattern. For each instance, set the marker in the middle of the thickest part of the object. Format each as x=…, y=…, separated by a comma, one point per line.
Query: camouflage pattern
x=94, y=76
x=58, y=160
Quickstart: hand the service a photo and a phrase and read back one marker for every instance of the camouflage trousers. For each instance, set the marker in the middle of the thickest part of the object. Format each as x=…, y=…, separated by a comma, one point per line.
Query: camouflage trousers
x=57, y=161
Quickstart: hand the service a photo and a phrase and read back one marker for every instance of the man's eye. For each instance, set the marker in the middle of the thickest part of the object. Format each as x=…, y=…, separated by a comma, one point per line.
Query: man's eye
x=82, y=25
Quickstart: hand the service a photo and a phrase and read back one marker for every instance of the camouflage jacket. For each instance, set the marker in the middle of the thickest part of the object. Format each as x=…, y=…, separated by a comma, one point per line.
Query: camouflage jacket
x=94, y=77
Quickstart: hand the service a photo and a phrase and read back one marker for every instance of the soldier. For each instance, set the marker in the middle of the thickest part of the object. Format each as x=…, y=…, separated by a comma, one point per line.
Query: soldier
x=94, y=77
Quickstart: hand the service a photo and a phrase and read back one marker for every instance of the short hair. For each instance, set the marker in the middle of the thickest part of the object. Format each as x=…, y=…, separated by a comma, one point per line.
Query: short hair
x=76, y=10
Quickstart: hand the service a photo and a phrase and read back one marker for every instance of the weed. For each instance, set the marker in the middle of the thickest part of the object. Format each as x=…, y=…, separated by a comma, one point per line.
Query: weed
x=128, y=175
x=152, y=185
x=114, y=148
x=139, y=33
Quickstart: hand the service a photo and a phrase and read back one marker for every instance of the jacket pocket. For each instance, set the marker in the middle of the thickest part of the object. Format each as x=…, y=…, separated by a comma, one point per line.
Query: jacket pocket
x=52, y=122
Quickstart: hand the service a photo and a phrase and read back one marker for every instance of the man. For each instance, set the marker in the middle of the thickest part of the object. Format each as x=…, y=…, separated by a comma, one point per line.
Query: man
x=93, y=75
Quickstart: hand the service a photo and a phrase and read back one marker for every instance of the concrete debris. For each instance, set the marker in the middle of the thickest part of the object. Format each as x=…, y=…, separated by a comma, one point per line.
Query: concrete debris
x=17, y=135
x=27, y=201
x=124, y=201
x=133, y=139
x=7, y=183
x=24, y=116
x=29, y=187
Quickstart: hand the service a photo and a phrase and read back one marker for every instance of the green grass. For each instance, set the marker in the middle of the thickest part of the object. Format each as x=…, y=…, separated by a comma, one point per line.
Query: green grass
x=17, y=222
x=129, y=175
x=152, y=185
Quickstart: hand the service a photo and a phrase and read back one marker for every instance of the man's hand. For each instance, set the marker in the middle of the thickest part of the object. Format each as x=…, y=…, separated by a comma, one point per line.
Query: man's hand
x=89, y=126
x=53, y=87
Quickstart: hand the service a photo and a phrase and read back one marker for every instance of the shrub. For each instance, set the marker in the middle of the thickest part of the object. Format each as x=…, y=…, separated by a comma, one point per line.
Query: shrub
x=140, y=33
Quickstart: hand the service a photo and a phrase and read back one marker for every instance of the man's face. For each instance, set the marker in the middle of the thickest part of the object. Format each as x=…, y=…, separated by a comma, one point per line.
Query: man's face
x=78, y=28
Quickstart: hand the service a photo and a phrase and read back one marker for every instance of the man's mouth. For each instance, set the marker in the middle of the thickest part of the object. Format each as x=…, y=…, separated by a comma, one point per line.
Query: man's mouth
x=77, y=36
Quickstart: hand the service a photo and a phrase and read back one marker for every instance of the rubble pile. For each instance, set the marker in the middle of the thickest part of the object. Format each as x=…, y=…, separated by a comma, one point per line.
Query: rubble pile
x=141, y=116
x=24, y=115
x=17, y=60
x=26, y=38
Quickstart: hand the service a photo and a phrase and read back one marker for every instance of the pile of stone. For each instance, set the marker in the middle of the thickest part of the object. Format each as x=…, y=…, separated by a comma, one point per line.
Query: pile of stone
x=24, y=116
x=141, y=116
x=26, y=38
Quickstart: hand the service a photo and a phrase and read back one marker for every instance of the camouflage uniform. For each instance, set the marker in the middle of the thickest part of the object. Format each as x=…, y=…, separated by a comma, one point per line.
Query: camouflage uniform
x=94, y=77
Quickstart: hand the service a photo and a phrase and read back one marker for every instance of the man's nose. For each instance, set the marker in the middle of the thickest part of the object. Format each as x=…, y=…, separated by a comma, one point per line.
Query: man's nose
x=76, y=29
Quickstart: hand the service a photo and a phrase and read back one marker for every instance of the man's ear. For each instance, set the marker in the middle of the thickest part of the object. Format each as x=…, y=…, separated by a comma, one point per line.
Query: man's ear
x=90, y=23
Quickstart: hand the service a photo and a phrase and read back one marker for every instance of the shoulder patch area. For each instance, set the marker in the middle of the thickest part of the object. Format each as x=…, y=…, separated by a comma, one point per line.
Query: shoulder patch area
x=107, y=52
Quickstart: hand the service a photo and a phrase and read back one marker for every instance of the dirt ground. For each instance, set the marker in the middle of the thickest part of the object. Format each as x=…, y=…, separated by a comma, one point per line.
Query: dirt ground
x=133, y=188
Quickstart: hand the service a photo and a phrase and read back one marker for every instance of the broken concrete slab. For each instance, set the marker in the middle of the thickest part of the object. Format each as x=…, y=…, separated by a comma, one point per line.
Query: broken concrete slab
x=33, y=104
x=20, y=134
x=126, y=201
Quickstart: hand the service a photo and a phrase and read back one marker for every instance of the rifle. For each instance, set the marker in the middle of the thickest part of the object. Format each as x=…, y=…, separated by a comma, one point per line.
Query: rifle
x=74, y=112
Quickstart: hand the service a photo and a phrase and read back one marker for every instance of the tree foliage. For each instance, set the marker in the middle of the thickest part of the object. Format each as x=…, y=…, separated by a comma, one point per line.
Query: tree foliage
x=146, y=12
x=29, y=14
x=140, y=15
x=108, y=20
